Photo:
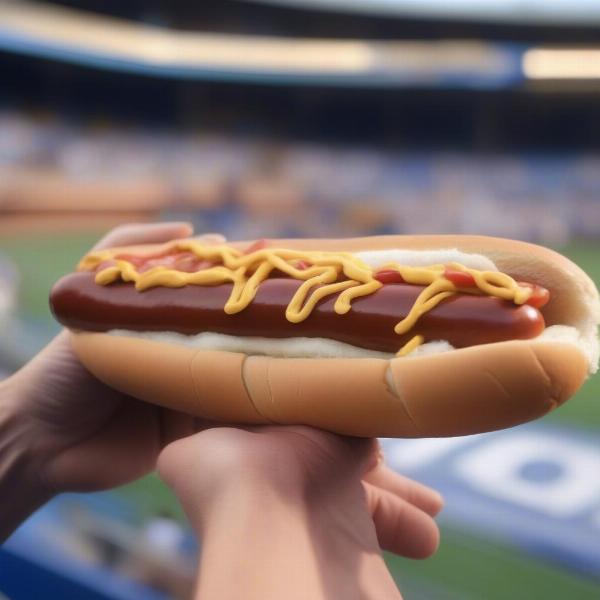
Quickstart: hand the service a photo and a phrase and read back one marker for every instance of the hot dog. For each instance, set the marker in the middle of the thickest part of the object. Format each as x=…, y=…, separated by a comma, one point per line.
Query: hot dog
x=463, y=320
x=499, y=306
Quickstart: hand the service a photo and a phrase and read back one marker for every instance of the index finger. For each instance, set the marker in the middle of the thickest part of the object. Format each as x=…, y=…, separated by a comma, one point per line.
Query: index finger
x=146, y=233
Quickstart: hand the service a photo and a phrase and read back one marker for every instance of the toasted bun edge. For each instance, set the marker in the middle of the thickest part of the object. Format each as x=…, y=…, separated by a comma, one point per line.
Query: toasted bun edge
x=460, y=392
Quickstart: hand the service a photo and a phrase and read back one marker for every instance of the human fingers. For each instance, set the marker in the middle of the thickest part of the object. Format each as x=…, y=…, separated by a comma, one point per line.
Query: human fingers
x=401, y=527
x=175, y=425
x=421, y=496
x=114, y=454
x=144, y=233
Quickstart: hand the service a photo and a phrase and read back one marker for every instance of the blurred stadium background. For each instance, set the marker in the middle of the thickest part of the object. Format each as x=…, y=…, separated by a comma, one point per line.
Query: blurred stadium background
x=308, y=118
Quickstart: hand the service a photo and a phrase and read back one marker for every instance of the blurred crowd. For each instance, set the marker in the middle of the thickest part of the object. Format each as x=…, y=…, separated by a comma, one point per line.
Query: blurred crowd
x=249, y=187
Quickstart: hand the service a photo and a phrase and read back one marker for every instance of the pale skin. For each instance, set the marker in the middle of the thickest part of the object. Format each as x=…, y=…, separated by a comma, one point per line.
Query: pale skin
x=63, y=430
x=296, y=513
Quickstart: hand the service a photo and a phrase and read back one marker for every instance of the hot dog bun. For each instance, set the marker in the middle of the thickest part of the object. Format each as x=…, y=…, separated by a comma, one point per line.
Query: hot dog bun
x=460, y=392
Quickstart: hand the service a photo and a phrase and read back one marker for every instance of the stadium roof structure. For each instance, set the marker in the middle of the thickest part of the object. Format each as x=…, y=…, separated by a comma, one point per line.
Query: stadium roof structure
x=106, y=42
x=534, y=12
x=102, y=42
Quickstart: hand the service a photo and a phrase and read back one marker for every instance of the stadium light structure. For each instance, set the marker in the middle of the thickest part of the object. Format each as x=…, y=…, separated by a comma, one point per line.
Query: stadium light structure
x=562, y=63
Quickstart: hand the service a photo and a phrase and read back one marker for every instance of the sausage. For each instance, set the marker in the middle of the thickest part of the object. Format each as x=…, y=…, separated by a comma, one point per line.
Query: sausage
x=462, y=320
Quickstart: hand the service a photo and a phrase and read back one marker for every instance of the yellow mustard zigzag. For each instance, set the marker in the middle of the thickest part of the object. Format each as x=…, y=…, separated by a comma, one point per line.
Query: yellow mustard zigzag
x=328, y=273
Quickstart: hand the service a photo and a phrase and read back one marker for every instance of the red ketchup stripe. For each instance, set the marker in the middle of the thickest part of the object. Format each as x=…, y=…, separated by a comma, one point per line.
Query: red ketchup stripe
x=258, y=245
x=388, y=276
x=186, y=262
x=459, y=278
x=540, y=296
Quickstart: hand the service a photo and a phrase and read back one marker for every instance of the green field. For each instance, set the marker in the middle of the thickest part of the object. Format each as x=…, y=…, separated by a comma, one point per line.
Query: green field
x=465, y=567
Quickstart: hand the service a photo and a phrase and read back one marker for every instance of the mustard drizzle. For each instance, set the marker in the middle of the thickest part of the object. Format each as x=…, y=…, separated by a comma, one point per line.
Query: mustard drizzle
x=330, y=273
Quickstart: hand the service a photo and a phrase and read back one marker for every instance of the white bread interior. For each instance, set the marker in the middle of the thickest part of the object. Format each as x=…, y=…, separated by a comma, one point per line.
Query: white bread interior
x=304, y=347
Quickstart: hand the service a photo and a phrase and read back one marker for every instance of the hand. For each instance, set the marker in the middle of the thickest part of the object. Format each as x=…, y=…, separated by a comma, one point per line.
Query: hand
x=65, y=430
x=297, y=512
